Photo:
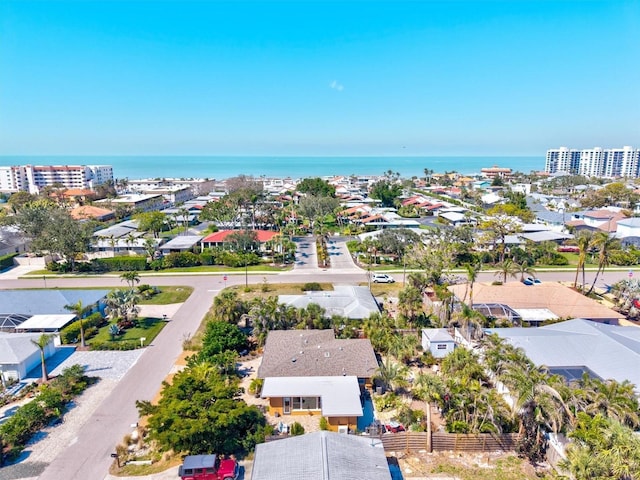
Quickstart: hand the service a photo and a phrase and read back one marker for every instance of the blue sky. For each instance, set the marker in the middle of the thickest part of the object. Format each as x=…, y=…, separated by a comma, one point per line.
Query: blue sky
x=317, y=78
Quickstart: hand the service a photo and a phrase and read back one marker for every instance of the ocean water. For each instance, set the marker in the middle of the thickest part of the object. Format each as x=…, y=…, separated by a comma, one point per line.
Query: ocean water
x=219, y=167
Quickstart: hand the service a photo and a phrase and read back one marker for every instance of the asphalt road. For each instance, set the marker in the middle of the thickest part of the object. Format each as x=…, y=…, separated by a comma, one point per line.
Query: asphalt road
x=88, y=456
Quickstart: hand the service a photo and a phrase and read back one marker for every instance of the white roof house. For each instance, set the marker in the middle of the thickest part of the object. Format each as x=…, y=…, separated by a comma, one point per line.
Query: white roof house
x=346, y=300
x=340, y=396
x=609, y=351
x=18, y=355
x=321, y=456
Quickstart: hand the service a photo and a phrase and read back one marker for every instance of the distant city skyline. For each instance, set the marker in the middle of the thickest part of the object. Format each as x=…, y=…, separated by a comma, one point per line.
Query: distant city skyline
x=413, y=78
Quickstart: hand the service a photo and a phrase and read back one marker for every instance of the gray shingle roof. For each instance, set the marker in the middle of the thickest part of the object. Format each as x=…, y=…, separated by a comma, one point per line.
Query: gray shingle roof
x=321, y=456
x=306, y=353
x=43, y=302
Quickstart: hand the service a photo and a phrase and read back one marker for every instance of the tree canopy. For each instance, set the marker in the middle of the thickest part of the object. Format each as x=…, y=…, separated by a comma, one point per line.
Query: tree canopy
x=317, y=187
x=386, y=191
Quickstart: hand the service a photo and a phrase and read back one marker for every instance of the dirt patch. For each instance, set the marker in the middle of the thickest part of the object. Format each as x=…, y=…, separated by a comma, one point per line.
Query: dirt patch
x=458, y=466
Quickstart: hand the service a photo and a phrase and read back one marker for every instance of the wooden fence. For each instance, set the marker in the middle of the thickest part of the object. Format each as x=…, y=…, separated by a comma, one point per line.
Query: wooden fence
x=483, y=442
x=441, y=441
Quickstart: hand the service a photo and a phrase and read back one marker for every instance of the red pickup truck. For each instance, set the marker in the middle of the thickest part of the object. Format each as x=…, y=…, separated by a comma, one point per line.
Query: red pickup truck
x=208, y=467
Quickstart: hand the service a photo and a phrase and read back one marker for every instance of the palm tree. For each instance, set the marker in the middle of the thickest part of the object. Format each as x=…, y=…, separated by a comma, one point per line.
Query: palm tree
x=506, y=268
x=42, y=342
x=584, y=243
x=131, y=278
x=430, y=389
x=524, y=269
x=123, y=303
x=606, y=244
x=80, y=310
x=392, y=375
x=470, y=321
x=472, y=275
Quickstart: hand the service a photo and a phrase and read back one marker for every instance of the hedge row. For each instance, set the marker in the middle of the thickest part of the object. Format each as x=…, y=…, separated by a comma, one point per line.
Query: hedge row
x=6, y=261
x=71, y=333
x=49, y=405
x=119, y=345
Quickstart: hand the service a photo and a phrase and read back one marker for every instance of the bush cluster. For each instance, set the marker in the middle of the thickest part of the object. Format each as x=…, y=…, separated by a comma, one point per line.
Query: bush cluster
x=46, y=407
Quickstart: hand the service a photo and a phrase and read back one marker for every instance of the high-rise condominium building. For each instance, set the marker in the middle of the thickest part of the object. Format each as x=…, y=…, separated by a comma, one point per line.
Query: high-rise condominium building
x=31, y=178
x=595, y=162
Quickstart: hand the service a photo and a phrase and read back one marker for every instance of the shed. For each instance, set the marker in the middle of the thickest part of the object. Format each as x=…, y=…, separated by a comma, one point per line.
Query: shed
x=438, y=341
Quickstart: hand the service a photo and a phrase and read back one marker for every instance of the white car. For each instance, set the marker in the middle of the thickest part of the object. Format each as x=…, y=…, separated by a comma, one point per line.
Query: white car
x=382, y=278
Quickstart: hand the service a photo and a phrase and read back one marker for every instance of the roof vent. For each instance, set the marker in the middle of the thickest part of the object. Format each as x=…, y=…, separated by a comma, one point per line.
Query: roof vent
x=327, y=354
x=293, y=360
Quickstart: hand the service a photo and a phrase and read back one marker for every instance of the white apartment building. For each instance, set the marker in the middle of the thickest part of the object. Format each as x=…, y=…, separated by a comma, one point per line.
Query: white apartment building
x=32, y=178
x=595, y=162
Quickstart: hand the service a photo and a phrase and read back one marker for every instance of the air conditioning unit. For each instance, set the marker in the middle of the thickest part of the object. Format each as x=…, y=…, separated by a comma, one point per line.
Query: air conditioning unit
x=343, y=429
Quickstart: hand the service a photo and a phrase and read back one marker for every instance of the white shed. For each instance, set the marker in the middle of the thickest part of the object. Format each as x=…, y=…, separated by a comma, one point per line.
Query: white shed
x=438, y=341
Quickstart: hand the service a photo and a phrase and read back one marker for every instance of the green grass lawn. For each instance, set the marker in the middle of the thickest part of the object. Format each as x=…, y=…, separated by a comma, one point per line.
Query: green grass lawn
x=169, y=295
x=148, y=328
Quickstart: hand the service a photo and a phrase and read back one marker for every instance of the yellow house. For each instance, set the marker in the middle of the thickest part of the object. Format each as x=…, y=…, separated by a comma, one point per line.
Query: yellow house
x=310, y=372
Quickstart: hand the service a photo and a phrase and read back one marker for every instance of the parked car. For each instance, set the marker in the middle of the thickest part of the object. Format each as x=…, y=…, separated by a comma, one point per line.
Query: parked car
x=382, y=278
x=208, y=467
x=394, y=427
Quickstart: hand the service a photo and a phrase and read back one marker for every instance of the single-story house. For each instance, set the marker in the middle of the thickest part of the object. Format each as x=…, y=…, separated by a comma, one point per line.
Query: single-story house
x=181, y=243
x=321, y=456
x=560, y=300
x=18, y=354
x=310, y=372
x=86, y=212
x=16, y=306
x=438, y=341
x=345, y=300
x=218, y=239
x=576, y=346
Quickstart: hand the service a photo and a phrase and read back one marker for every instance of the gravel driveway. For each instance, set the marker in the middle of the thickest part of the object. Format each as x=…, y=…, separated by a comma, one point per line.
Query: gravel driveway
x=50, y=442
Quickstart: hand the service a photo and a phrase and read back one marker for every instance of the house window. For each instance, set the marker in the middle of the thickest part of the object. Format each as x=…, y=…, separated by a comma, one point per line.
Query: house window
x=442, y=346
x=305, y=403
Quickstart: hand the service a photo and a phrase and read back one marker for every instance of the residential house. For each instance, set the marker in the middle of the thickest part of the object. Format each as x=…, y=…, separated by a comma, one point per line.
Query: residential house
x=19, y=355
x=16, y=306
x=321, y=456
x=580, y=346
x=219, y=239
x=89, y=212
x=534, y=304
x=310, y=372
x=344, y=300
x=181, y=243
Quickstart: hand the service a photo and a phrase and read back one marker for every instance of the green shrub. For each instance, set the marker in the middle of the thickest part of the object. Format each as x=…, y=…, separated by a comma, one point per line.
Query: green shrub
x=119, y=345
x=180, y=259
x=121, y=264
x=311, y=287
x=296, y=429
x=255, y=387
x=71, y=333
x=324, y=423
x=6, y=261
x=388, y=401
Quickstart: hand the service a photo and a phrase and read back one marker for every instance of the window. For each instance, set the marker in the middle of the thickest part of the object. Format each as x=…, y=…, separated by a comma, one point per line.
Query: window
x=442, y=346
